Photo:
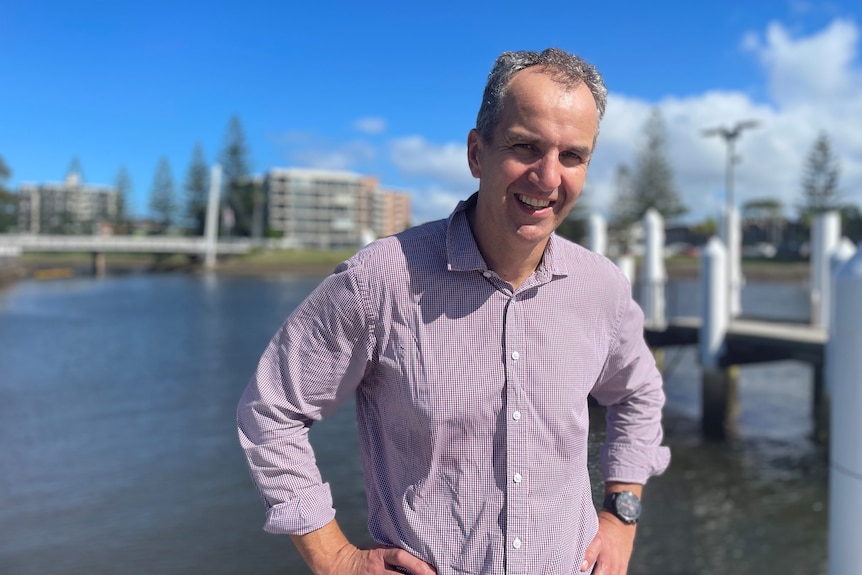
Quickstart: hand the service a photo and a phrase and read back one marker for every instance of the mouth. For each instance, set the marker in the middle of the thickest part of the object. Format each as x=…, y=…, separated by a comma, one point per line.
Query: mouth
x=533, y=202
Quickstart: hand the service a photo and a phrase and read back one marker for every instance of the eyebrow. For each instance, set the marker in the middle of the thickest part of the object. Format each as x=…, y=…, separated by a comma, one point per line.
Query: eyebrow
x=528, y=138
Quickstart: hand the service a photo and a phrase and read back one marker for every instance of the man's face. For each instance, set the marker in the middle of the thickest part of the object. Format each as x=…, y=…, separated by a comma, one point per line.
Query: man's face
x=533, y=169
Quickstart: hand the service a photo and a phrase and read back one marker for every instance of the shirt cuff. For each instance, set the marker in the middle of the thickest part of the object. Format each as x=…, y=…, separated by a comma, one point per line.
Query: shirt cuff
x=301, y=515
x=628, y=463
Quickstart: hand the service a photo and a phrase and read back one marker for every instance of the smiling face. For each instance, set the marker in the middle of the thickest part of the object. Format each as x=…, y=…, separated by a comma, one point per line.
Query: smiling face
x=533, y=169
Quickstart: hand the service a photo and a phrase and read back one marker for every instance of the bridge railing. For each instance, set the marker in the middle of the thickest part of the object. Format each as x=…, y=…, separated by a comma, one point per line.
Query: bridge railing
x=121, y=244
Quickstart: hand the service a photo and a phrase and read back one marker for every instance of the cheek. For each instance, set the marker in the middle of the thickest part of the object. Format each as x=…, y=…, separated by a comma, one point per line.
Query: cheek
x=574, y=186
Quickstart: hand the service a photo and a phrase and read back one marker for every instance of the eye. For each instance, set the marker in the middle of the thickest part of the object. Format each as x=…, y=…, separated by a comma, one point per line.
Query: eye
x=571, y=159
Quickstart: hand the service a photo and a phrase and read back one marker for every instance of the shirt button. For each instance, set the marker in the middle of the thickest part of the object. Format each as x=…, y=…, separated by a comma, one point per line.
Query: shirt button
x=516, y=543
x=487, y=274
x=516, y=415
x=515, y=355
x=516, y=478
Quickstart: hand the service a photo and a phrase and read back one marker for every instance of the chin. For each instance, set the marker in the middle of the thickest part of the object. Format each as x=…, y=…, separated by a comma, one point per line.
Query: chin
x=534, y=235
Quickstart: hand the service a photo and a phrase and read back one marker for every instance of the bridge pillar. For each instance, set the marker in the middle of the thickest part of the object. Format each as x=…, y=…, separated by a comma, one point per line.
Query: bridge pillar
x=99, y=264
x=719, y=397
x=211, y=223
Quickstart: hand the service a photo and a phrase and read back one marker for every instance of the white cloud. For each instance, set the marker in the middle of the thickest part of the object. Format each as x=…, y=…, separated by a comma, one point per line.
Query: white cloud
x=309, y=150
x=815, y=68
x=432, y=203
x=370, y=125
x=815, y=82
x=439, y=174
x=445, y=163
x=345, y=157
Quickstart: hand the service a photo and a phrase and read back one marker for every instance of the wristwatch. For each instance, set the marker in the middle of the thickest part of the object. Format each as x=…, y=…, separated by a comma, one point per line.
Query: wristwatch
x=625, y=505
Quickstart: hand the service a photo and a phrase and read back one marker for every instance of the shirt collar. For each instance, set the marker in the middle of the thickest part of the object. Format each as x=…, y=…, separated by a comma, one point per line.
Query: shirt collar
x=462, y=253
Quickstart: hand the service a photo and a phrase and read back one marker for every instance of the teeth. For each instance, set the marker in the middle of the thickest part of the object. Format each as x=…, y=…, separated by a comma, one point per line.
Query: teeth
x=532, y=202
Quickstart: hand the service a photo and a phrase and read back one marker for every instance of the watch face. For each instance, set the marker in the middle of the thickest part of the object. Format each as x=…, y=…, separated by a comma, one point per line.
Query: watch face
x=628, y=506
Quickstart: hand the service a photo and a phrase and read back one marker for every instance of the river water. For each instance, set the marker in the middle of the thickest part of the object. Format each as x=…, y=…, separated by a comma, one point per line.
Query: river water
x=119, y=451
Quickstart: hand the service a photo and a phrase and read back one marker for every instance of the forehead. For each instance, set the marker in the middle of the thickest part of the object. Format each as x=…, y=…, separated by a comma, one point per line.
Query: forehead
x=533, y=96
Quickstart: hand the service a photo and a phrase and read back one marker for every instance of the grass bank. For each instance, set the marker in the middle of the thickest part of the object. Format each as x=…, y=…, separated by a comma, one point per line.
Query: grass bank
x=322, y=262
x=278, y=262
x=687, y=267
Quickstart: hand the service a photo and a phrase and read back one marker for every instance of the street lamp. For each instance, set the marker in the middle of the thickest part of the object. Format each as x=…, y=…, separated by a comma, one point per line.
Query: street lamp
x=730, y=136
x=731, y=230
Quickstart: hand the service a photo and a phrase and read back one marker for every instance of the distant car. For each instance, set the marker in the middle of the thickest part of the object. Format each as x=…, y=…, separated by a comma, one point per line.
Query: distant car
x=760, y=250
x=676, y=248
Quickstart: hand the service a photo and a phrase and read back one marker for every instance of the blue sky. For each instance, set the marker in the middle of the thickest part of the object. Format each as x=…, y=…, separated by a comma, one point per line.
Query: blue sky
x=392, y=88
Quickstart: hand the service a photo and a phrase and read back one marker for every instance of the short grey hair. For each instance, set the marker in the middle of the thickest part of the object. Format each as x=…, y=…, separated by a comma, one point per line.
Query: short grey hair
x=567, y=69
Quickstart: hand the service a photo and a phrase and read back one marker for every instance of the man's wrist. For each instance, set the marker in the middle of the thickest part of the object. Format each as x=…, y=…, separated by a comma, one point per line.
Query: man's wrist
x=623, y=505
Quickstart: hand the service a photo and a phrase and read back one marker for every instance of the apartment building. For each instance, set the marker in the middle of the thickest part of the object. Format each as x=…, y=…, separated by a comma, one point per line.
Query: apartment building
x=328, y=209
x=70, y=207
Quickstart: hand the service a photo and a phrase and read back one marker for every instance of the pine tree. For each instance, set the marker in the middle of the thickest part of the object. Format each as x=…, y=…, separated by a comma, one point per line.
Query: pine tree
x=123, y=185
x=624, y=211
x=162, y=198
x=235, y=167
x=75, y=174
x=197, y=191
x=652, y=182
x=820, y=180
x=8, y=200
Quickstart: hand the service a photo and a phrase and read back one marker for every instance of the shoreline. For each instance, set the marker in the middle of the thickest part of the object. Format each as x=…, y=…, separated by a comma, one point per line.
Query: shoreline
x=319, y=265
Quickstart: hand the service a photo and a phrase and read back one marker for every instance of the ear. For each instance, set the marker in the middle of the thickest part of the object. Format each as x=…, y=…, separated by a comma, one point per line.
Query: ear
x=474, y=152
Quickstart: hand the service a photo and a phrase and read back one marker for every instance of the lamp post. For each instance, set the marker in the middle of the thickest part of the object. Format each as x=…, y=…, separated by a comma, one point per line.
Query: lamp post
x=730, y=136
x=731, y=228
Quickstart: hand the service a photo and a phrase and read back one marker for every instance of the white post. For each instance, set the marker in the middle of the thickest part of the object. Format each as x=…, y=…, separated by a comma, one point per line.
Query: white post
x=825, y=235
x=653, y=275
x=598, y=233
x=731, y=235
x=719, y=400
x=626, y=263
x=844, y=362
x=713, y=314
x=211, y=225
x=840, y=256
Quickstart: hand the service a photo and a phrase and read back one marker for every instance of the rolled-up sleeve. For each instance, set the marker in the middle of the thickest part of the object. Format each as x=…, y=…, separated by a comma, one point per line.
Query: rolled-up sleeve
x=631, y=389
x=315, y=360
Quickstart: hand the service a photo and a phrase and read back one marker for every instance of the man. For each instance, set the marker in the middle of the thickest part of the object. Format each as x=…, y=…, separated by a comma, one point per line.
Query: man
x=471, y=345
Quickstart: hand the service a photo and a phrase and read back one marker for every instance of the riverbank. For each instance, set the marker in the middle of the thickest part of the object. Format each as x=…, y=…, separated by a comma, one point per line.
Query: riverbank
x=322, y=263
x=307, y=263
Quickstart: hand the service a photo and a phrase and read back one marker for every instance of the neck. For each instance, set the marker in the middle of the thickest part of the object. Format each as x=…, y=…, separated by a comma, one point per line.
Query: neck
x=512, y=261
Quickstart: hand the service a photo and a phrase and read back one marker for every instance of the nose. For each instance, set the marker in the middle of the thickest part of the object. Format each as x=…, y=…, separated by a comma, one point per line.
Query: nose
x=546, y=173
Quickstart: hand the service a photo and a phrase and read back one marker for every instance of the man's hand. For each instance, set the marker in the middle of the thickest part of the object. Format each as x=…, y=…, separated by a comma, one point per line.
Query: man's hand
x=611, y=548
x=328, y=552
x=380, y=561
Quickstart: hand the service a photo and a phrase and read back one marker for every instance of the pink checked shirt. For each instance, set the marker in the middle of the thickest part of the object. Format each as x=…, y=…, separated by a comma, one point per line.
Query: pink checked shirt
x=471, y=400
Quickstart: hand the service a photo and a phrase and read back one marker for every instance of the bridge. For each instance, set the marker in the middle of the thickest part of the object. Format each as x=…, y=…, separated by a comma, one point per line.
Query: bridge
x=98, y=246
x=122, y=244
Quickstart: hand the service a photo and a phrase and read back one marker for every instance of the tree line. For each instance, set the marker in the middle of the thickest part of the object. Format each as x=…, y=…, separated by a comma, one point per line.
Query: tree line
x=171, y=211
x=241, y=203
x=648, y=183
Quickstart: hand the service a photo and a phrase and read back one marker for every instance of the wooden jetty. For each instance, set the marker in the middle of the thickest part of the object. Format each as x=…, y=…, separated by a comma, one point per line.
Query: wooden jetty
x=748, y=341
